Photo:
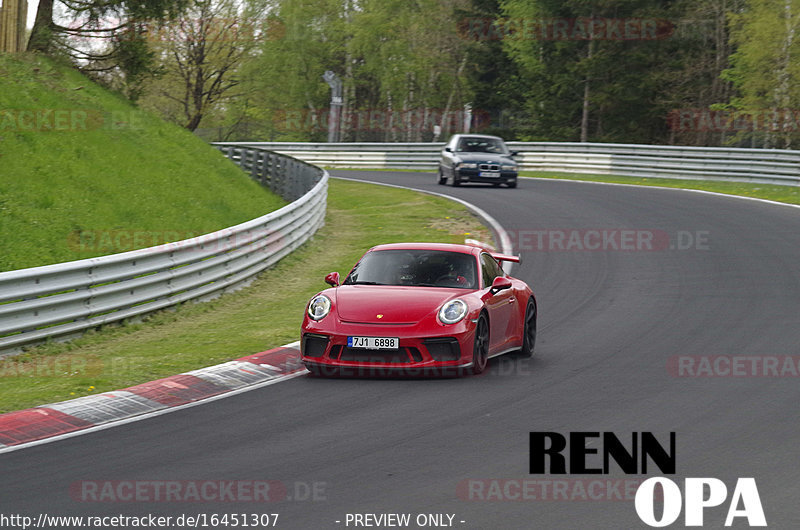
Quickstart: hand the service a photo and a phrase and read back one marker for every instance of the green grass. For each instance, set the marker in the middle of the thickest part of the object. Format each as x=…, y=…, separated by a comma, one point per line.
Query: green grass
x=788, y=194
x=84, y=173
x=265, y=315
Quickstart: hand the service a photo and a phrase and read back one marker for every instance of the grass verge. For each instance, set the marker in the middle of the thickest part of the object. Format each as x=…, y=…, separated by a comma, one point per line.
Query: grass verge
x=787, y=194
x=265, y=315
x=84, y=173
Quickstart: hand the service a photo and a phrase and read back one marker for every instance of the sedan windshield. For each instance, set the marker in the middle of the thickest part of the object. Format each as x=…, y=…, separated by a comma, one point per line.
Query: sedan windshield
x=420, y=268
x=482, y=145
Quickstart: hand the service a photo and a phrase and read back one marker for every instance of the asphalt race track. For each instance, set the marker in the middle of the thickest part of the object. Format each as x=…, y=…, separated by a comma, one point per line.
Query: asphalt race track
x=612, y=323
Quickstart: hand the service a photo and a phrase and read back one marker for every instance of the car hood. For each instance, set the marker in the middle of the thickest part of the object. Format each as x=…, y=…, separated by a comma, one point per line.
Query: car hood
x=394, y=304
x=485, y=158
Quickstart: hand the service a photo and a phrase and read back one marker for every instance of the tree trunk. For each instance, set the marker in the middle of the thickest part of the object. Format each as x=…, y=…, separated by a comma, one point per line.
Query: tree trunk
x=586, y=93
x=41, y=39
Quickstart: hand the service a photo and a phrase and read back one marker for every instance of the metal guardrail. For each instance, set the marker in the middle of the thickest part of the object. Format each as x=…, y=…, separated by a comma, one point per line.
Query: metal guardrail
x=65, y=299
x=771, y=166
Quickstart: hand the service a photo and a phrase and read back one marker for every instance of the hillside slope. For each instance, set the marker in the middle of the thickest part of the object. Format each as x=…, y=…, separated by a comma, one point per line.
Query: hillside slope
x=84, y=173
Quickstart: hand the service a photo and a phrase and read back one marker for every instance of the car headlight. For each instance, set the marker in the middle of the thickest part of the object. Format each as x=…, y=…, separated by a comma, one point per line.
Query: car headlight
x=453, y=311
x=467, y=165
x=319, y=307
x=508, y=166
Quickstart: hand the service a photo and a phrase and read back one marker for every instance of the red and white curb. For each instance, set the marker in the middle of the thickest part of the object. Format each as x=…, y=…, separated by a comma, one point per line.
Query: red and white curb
x=59, y=419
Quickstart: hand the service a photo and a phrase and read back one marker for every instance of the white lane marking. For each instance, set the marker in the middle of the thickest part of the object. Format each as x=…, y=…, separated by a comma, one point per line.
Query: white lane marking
x=104, y=426
x=505, y=241
x=717, y=193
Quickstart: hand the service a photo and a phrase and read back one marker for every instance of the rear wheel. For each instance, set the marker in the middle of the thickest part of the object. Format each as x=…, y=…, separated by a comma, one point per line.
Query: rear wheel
x=480, y=349
x=529, y=331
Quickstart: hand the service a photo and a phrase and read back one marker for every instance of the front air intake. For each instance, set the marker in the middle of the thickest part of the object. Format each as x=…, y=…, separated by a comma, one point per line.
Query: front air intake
x=314, y=345
x=444, y=349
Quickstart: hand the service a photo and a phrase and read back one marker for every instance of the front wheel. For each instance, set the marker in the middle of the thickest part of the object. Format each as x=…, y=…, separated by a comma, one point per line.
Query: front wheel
x=529, y=331
x=512, y=184
x=442, y=180
x=480, y=350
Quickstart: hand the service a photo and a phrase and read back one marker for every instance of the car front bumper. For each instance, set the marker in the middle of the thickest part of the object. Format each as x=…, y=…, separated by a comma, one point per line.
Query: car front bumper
x=495, y=177
x=420, y=351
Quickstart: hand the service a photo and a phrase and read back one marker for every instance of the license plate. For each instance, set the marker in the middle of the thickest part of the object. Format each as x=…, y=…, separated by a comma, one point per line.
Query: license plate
x=373, y=343
x=492, y=174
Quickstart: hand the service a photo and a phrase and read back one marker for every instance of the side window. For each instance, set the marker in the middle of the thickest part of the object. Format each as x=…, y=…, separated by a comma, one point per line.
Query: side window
x=490, y=270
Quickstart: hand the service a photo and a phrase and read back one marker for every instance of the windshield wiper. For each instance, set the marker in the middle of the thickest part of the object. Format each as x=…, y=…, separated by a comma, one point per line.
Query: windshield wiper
x=366, y=283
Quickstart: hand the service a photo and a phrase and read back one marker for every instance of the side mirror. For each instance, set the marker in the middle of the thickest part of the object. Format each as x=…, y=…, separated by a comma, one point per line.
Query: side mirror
x=449, y=150
x=332, y=279
x=514, y=153
x=500, y=283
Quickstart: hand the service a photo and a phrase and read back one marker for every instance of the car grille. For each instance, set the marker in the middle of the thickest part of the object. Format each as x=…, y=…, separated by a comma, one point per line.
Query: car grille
x=314, y=345
x=489, y=167
x=445, y=349
x=401, y=356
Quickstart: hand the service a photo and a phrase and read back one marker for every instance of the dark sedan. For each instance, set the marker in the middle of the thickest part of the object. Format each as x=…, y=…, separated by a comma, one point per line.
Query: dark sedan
x=477, y=158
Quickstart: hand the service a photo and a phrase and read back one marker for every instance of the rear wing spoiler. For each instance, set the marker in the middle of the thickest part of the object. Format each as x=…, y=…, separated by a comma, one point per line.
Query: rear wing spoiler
x=505, y=257
x=491, y=250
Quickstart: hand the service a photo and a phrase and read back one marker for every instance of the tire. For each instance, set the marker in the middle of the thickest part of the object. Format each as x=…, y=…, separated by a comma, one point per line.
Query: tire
x=480, y=348
x=455, y=182
x=511, y=184
x=529, y=330
x=442, y=179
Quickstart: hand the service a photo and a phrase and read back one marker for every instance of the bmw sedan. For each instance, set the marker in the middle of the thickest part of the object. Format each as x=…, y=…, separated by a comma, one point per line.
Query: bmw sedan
x=477, y=158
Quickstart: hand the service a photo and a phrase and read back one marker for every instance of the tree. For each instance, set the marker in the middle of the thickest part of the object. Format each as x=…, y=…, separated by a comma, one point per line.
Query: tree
x=594, y=69
x=285, y=95
x=411, y=67
x=766, y=70
x=199, y=55
x=102, y=35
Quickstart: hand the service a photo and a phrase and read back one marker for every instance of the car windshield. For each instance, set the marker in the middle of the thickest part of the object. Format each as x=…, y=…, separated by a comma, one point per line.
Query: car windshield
x=419, y=268
x=482, y=145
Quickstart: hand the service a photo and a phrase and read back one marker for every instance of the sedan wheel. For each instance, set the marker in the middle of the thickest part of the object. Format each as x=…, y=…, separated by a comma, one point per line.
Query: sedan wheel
x=480, y=350
x=529, y=333
x=442, y=179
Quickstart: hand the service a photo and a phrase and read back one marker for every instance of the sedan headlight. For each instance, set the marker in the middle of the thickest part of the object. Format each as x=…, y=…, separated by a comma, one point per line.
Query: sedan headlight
x=467, y=165
x=508, y=167
x=453, y=311
x=319, y=307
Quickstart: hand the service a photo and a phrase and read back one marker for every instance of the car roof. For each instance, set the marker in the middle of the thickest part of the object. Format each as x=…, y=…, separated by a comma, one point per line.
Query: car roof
x=447, y=247
x=460, y=135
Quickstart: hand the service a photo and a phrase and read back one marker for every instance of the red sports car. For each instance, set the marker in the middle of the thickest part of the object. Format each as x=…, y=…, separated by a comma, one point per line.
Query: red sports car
x=410, y=308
